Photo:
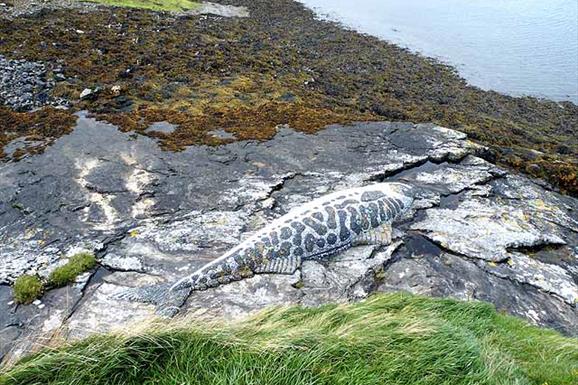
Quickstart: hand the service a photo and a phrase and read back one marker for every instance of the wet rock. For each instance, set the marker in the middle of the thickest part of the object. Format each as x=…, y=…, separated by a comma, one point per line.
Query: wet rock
x=21, y=144
x=241, y=298
x=346, y=277
x=30, y=327
x=209, y=8
x=475, y=232
x=222, y=134
x=547, y=277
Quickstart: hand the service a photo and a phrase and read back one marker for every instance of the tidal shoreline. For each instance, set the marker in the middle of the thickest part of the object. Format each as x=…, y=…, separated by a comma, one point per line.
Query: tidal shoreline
x=518, y=48
x=280, y=65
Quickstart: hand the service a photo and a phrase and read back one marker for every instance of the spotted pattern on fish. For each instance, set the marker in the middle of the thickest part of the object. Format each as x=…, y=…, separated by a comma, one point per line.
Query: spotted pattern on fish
x=354, y=220
x=331, y=219
x=285, y=233
x=344, y=233
x=374, y=215
x=331, y=239
x=274, y=238
x=316, y=230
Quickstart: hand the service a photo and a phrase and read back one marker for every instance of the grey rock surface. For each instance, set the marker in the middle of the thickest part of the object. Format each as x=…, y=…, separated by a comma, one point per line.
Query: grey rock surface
x=476, y=232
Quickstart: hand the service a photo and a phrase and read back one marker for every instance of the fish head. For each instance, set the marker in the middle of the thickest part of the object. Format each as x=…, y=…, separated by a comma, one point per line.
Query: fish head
x=403, y=192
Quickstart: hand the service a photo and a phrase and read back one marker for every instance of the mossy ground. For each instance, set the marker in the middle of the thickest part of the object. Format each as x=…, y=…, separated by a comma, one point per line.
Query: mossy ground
x=27, y=288
x=396, y=339
x=76, y=265
x=156, y=5
x=278, y=66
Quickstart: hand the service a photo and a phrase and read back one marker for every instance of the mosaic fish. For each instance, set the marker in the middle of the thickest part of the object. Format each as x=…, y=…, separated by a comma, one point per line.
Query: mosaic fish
x=316, y=230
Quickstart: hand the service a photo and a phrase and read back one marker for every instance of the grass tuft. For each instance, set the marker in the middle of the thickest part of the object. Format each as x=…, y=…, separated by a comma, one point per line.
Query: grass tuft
x=27, y=288
x=395, y=339
x=66, y=274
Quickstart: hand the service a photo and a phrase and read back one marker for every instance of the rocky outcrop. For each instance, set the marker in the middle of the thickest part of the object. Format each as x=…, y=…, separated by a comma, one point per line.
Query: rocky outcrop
x=476, y=231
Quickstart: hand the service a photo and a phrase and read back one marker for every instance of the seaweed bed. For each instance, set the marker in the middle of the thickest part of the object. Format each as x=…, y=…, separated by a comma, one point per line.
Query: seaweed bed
x=279, y=66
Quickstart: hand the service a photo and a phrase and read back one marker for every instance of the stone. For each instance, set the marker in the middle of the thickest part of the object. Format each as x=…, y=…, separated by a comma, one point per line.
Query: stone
x=86, y=93
x=164, y=127
x=26, y=85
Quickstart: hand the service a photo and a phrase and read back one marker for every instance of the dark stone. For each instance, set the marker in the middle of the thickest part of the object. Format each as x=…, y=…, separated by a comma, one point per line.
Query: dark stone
x=331, y=239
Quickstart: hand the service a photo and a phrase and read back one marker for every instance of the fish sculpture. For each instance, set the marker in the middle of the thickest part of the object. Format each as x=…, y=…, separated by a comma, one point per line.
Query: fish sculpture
x=316, y=230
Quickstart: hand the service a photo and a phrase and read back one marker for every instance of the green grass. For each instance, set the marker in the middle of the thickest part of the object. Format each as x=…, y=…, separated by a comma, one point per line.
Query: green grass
x=27, y=288
x=388, y=339
x=76, y=265
x=158, y=5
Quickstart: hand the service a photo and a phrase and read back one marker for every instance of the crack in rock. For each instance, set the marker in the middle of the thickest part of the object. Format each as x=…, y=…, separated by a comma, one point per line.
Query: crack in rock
x=549, y=278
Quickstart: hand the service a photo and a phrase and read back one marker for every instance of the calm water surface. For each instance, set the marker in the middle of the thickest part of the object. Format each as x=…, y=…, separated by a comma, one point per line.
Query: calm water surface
x=518, y=47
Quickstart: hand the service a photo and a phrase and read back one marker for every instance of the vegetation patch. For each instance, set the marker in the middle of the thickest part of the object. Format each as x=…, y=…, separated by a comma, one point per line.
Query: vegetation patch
x=42, y=125
x=392, y=339
x=281, y=65
x=76, y=265
x=155, y=5
x=27, y=288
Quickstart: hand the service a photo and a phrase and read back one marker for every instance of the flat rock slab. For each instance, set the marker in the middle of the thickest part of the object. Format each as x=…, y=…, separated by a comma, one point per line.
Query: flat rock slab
x=476, y=232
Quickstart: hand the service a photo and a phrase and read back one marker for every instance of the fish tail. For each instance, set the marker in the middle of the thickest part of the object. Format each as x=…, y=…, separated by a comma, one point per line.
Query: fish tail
x=153, y=294
x=167, y=300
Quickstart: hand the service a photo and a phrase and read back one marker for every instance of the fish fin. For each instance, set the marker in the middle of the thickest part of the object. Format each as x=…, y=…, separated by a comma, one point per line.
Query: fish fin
x=380, y=235
x=287, y=265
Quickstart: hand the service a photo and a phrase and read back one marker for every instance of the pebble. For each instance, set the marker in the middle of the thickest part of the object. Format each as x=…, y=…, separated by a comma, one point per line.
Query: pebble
x=37, y=302
x=25, y=85
x=85, y=93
